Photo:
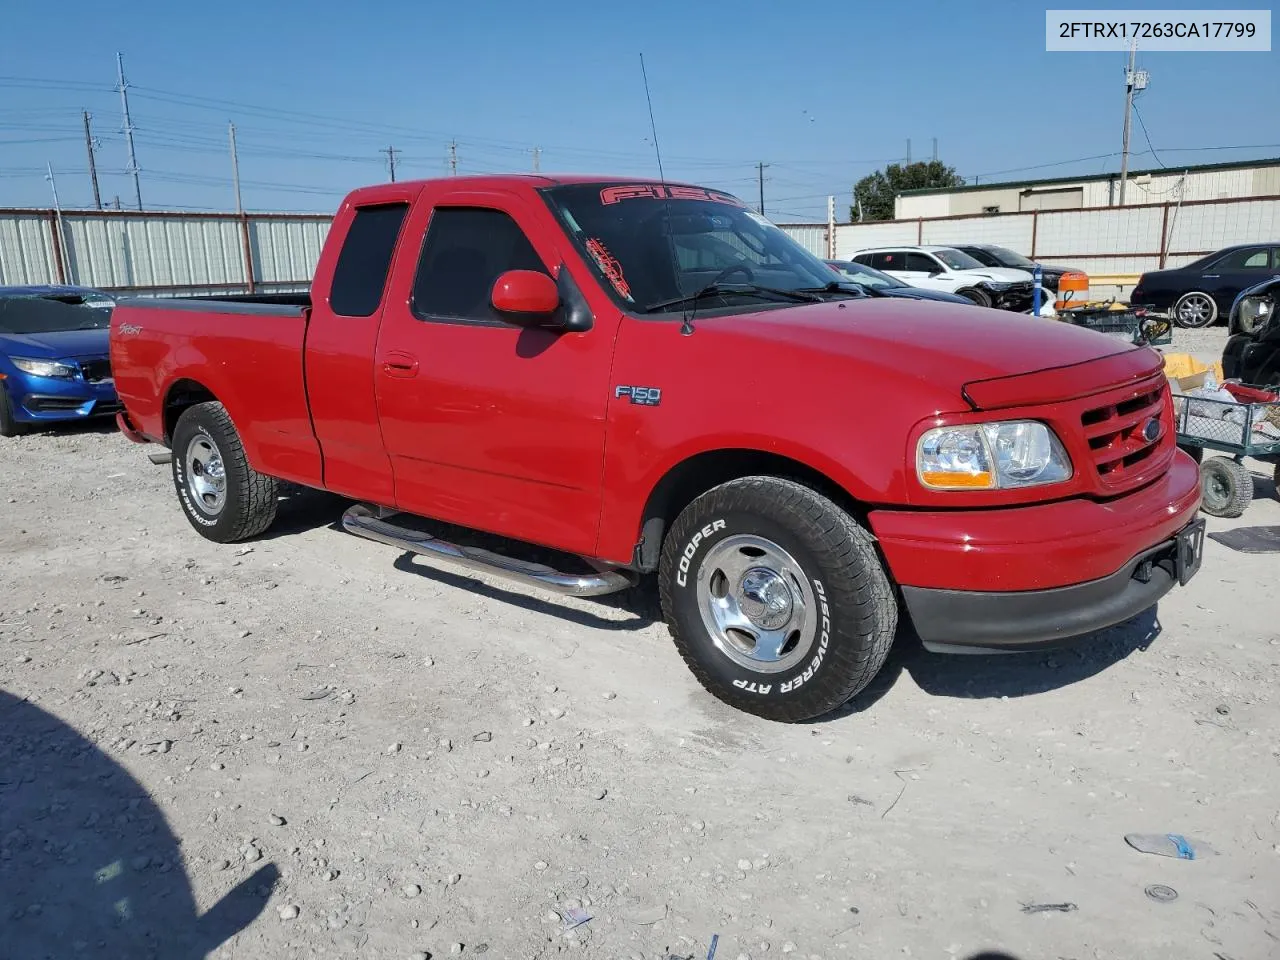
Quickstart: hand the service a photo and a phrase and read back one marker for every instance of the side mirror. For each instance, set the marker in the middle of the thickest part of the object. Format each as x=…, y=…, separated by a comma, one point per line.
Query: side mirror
x=935, y=273
x=526, y=298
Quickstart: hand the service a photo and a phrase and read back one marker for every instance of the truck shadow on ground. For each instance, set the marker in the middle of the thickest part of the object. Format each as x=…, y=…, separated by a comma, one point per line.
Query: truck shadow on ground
x=88, y=865
x=1006, y=675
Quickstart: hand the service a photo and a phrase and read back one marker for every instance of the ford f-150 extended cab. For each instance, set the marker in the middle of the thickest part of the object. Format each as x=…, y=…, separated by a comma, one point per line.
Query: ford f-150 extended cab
x=645, y=377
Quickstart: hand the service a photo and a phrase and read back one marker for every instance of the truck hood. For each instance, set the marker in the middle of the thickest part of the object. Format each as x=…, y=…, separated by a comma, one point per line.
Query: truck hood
x=951, y=348
x=55, y=345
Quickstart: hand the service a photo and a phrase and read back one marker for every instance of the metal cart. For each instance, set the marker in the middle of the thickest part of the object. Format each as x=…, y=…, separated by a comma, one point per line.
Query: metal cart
x=1124, y=321
x=1235, y=430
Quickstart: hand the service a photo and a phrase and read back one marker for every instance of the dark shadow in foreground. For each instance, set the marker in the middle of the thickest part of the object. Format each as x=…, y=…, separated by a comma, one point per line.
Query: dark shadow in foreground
x=1006, y=675
x=88, y=865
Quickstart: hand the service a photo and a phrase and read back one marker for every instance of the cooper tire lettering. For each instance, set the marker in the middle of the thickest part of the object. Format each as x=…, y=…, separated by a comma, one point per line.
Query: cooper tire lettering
x=691, y=550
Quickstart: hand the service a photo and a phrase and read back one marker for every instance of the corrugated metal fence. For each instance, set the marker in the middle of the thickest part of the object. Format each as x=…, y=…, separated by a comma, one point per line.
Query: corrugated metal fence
x=159, y=252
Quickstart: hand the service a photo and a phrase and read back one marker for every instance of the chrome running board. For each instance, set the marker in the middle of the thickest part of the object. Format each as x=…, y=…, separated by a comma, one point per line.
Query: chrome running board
x=370, y=523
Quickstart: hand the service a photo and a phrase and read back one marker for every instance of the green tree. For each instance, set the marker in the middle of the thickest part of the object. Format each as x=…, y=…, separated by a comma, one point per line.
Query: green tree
x=877, y=190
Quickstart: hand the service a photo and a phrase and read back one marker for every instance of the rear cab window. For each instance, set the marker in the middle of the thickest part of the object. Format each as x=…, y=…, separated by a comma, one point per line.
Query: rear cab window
x=364, y=261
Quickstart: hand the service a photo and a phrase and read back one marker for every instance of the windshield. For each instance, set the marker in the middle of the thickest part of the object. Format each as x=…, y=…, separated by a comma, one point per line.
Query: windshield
x=955, y=259
x=1008, y=258
x=864, y=275
x=48, y=315
x=652, y=243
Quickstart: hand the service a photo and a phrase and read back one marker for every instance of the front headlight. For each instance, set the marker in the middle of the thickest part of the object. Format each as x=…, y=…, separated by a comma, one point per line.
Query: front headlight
x=999, y=286
x=991, y=456
x=44, y=368
x=1254, y=313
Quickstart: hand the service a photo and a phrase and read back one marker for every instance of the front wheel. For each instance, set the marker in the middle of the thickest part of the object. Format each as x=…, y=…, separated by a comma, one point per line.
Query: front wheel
x=9, y=425
x=223, y=497
x=979, y=298
x=776, y=598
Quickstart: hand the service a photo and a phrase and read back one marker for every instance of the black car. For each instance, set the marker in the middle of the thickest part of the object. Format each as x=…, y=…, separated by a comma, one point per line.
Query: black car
x=1199, y=293
x=875, y=282
x=1252, y=354
x=989, y=255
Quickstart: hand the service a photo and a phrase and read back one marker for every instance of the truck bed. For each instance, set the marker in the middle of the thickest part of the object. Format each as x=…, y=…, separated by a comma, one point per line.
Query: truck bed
x=165, y=353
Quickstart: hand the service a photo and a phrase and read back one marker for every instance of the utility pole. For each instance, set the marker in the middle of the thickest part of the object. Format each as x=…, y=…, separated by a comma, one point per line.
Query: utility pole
x=537, y=159
x=453, y=158
x=1134, y=80
x=935, y=149
x=93, y=168
x=760, y=168
x=908, y=151
x=391, y=160
x=235, y=165
x=128, y=129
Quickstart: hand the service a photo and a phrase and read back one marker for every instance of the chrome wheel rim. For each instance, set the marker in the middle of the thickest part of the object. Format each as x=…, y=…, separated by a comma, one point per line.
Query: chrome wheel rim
x=1195, y=310
x=206, y=476
x=756, y=604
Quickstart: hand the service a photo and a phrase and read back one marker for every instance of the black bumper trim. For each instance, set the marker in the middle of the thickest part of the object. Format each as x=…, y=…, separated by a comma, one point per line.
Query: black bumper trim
x=965, y=621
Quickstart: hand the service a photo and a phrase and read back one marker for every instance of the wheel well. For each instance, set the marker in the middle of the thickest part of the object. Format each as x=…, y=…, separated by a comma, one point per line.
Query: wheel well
x=688, y=480
x=182, y=394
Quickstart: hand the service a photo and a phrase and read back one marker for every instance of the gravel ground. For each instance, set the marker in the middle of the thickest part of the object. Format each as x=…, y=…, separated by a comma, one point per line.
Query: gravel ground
x=312, y=746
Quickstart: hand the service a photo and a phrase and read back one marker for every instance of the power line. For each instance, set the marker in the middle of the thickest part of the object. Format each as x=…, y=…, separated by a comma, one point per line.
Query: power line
x=1146, y=136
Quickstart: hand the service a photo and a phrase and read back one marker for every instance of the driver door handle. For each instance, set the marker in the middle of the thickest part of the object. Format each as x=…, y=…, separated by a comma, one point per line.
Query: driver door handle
x=399, y=364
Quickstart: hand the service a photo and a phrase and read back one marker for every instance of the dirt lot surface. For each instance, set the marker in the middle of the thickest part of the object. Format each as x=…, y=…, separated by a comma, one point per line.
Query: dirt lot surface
x=312, y=746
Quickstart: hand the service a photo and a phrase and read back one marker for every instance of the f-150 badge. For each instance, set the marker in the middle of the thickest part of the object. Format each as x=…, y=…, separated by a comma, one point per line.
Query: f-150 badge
x=642, y=396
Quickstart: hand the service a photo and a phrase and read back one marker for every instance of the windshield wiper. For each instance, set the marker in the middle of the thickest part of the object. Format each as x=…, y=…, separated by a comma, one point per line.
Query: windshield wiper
x=739, y=289
x=842, y=286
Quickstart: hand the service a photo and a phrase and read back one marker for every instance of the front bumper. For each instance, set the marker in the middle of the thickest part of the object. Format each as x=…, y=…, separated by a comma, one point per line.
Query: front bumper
x=957, y=621
x=1020, y=577
x=54, y=399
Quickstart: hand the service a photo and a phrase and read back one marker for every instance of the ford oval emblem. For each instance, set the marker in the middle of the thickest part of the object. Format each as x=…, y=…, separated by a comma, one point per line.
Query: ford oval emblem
x=1151, y=430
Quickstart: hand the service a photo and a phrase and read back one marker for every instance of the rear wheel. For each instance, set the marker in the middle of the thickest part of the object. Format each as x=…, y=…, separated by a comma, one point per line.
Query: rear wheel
x=979, y=297
x=9, y=425
x=1226, y=487
x=1194, y=310
x=223, y=497
x=776, y=598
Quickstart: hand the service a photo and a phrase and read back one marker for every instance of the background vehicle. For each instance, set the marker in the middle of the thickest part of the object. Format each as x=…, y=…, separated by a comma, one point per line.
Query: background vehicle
x=639, y=377
x=949, y=270
x=1252, y=353
x=887, y=286
x=1199, y=293
x=53, y=356
x=989, y=255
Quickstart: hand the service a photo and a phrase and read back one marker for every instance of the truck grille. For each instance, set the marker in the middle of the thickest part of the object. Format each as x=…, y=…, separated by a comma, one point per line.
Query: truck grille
x=95, y=371
x=1121, y=436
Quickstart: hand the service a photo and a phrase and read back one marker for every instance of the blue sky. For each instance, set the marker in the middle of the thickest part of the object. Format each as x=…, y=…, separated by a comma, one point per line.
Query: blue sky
x=824, y=92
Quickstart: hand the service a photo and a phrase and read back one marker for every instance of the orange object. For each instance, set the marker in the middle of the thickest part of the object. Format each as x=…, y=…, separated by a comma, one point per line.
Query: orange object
x=1072, y=287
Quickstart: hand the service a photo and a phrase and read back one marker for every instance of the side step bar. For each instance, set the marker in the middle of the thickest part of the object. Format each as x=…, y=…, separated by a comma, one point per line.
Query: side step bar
x=365, y=521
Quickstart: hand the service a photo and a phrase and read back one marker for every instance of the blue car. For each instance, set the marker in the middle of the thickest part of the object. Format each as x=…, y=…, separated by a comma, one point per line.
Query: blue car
x=53, y=356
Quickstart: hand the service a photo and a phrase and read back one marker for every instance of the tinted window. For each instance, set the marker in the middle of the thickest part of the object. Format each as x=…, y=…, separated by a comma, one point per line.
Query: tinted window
x=1251, y=258
x=889, y=260
x=957, y=260
x=985, y=257
x=465, y=251
x=50, y=315
x=922, y=263
x=365, y=260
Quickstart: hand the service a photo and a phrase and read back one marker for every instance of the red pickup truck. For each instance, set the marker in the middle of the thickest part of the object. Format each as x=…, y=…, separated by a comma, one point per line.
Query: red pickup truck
x=648, y=377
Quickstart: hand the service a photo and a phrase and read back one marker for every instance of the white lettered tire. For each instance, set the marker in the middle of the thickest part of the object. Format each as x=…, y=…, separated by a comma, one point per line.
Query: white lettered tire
x=776, y=598
x=223, y=497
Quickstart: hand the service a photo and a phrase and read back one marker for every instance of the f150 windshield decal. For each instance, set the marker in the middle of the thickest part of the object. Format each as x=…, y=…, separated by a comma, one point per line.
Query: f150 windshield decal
x=658, y=191
x=609, y=266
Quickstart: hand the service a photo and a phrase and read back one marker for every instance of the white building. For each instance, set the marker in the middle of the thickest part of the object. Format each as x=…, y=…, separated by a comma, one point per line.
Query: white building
x=1212, y=181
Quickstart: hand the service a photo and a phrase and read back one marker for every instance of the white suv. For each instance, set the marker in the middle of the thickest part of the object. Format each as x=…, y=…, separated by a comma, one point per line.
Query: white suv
x=949, y=270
